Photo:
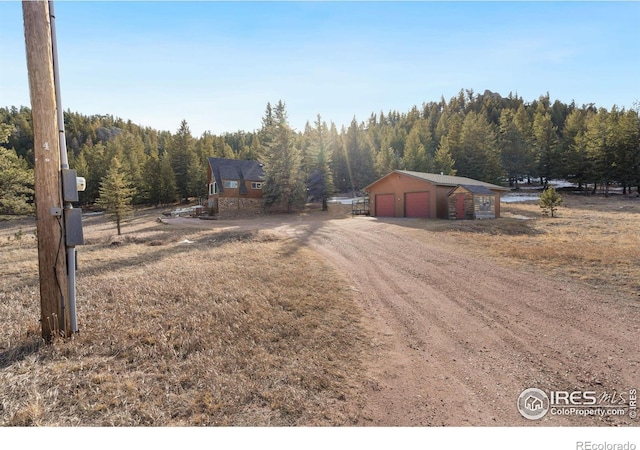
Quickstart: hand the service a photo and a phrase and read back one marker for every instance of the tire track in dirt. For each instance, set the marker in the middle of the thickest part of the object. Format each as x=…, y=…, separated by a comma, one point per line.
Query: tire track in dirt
x=461, y=337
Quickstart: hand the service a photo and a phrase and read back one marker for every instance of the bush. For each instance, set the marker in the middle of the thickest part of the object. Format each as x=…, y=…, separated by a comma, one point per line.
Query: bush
x=549, y=201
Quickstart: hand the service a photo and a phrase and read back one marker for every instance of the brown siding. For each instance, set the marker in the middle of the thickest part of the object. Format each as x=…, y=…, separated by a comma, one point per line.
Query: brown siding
x=235, y=193
x=443, y=205
x=497, y=202
x=399, y=184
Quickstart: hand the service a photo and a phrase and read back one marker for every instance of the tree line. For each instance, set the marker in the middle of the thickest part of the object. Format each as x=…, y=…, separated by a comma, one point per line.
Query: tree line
x=483, y=136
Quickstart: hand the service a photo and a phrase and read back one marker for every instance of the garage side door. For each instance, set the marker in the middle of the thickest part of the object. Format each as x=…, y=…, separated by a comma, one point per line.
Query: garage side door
x=416, y=204
x=385, y=205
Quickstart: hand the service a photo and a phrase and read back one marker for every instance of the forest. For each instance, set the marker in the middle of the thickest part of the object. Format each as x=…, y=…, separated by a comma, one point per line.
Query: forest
x=485, y=136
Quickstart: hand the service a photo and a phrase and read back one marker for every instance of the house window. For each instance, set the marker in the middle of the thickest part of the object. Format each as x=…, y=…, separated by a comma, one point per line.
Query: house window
x=256, y=185
x=230, y=184
x=484, y=203
x=213, y=188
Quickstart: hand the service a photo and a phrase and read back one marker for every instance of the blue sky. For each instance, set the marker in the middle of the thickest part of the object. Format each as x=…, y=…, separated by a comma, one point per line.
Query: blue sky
x=217, y=64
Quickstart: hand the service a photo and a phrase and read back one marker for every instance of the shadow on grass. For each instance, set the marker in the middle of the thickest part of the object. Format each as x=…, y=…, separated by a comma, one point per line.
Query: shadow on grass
x=501, y=226
x=300, y=236
x=157, y=247
x=13, y=355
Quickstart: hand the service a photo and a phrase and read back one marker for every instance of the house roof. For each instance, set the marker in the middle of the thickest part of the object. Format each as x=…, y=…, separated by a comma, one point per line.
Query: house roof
x=235, y=169
x=443, y=180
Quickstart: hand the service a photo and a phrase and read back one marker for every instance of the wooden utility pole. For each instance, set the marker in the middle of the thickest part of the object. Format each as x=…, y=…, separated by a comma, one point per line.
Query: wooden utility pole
x=48, y=188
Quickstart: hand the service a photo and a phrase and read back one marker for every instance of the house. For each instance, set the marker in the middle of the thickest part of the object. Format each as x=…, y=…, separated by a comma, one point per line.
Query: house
x=533, y=403
x=234, y=184
x=403, y=193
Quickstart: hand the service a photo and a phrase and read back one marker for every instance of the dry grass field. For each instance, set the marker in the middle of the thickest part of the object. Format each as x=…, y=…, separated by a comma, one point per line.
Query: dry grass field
x=594, y=239
x=247, y=325
x=235, y=328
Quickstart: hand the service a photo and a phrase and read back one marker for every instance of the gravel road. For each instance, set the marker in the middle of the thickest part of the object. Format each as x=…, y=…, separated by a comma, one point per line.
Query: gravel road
x=458, y=337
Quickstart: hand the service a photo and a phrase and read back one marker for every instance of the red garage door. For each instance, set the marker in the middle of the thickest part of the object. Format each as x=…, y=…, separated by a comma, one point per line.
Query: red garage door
x=416, y=204
x=385, y=205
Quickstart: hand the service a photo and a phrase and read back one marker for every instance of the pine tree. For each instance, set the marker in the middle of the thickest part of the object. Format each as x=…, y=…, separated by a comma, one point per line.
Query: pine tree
x=116, y=194
x=167, y=190
x=574, y=160
x=359, y=157
x=182, y=153
x=514, y=149
x=599, y=141
x=550, y=200
x=546, y=142
x=628, y=149
x=479, y=156
x=443, y=162
x=16, y=179
x=320, y=180
x=386, y=161
x=415, y=155
x=284, y=181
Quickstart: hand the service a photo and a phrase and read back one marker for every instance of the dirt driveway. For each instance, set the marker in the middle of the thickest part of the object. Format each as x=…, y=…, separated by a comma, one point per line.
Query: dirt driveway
x=457, y=337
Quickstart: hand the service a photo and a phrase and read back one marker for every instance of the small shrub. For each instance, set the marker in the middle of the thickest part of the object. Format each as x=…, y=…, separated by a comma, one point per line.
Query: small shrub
x=549, y=201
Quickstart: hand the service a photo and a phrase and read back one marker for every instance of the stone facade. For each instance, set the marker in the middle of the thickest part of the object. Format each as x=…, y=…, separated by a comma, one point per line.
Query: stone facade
x=242, y=203
x=468, y=205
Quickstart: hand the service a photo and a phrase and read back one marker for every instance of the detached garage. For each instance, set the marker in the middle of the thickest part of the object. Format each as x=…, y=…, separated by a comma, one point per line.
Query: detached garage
x=404, y=193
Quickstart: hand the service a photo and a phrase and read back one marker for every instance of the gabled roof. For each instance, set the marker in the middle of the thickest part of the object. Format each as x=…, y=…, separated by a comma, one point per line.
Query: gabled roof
x=443, y=180
x=235, y=169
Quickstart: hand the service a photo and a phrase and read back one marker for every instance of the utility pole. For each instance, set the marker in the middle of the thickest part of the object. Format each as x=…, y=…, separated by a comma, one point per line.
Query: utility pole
x=54, y=289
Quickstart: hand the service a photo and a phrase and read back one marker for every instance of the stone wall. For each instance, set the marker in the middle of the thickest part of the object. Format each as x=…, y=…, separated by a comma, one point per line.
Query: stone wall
x=235, y=203
x=468, y=206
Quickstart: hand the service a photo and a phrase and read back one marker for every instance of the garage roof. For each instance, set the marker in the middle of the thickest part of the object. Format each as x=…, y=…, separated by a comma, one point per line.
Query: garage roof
x=443, y=180
x=477, y=189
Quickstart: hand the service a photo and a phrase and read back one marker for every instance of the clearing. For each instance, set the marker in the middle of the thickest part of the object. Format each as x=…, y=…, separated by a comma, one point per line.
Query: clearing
x=413, y=322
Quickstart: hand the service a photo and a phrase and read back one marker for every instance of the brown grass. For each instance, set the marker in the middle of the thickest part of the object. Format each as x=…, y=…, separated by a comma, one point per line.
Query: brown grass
x=232, y=329
x=238, y=329
x=594, y=239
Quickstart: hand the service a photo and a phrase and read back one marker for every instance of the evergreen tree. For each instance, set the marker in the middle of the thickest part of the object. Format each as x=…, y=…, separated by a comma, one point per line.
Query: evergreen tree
x=359, y=157
x=182, y=155
x=131, y=152
x=550, y=200
x=514, y=149
x=339, y=162
x=152, y=179
x=284, y=181
x=443, y=162
x=96, y=168
x=116, y=194
x=415, y=156
x=574, y=159
x=198, y=184
x=320, y=180
x=479, y=156
x=167, y=189
x=546, y=142
x=386, y=161
x=600, y=146
x=628, y=149
x=16, y=179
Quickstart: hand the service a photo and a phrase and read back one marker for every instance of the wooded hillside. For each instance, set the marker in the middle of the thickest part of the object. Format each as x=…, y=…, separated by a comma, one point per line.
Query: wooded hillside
x=484, y=136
